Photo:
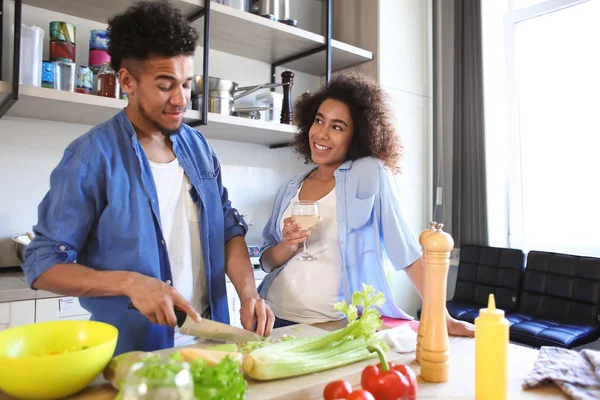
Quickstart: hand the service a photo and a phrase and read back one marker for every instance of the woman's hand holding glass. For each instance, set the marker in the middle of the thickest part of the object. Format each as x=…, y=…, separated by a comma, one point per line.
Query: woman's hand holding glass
x=292, y=235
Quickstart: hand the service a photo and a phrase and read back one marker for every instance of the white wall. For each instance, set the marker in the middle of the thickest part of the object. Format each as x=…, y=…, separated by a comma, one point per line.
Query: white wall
x=405, y=73
x=30, y=149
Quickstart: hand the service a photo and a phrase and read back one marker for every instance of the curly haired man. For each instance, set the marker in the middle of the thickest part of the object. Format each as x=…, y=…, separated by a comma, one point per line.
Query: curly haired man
x=136, y=211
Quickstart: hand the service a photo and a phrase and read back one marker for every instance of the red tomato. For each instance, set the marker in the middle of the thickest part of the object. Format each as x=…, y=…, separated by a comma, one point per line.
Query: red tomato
x=360, y=395
x=337, y=390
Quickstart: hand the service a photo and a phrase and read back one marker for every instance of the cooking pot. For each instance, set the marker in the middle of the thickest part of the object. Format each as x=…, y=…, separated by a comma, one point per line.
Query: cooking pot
x=222, y=94
x=223, y=105
x=225, y=85
x=21, y=242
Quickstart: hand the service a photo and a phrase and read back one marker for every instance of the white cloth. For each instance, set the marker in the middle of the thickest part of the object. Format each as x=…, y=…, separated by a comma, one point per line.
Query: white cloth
x=401, y=339
x=180, y=224
x=305, y=291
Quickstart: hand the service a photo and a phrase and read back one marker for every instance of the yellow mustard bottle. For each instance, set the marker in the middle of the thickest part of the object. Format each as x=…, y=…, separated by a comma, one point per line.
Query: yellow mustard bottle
x=491, y=353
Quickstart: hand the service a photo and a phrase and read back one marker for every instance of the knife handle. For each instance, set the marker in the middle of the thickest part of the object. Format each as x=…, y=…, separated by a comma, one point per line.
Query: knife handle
x=180, y=315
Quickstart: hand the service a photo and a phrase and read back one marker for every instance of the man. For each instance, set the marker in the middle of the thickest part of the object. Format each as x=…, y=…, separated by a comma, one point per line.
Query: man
x=136, y=211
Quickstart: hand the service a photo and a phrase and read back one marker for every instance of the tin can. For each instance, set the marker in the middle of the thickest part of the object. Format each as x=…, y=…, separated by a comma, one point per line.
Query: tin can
x=97, y=58
x=48, y=75
x=84, y=80
x=62, y=51
x=62, y=31
x=64, y=75
x=98, y=39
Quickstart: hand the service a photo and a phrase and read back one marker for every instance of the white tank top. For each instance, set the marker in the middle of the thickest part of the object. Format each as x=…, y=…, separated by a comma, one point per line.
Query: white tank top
x=305, y=291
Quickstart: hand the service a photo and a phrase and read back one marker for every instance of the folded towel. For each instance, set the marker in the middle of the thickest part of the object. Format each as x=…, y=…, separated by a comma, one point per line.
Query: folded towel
x=577, y=374
x=401, y=339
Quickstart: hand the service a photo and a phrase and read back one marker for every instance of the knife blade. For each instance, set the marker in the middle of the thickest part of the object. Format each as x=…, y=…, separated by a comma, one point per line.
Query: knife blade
x=208, y=329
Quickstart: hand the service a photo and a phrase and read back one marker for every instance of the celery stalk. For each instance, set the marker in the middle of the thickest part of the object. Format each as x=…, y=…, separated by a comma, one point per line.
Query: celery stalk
x=331, y=350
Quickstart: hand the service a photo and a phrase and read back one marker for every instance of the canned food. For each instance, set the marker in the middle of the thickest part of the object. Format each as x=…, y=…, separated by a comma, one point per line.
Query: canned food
x=97, y=58
x=62, y=31
x=84, y=80
x=64, y=75
x=62, y=51
x=48, y=75
x=98, y=39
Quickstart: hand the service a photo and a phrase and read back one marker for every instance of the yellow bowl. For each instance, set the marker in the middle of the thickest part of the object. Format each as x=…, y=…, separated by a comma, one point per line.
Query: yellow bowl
x=50, y=360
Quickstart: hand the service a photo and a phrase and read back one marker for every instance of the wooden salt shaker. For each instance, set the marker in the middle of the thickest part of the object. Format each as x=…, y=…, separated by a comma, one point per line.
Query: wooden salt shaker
x=287, y=81
x=423, y=320
x=435, y=349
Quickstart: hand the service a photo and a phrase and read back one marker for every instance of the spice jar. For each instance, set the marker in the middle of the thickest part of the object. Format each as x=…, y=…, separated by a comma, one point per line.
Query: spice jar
x=108, y=83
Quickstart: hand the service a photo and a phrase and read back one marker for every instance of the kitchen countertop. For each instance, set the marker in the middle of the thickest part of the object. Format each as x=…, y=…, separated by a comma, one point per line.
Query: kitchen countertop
x=461, y=384
x=14, y=287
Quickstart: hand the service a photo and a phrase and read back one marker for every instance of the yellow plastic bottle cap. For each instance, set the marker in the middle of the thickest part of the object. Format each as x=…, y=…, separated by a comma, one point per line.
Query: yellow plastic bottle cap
x=491, y=311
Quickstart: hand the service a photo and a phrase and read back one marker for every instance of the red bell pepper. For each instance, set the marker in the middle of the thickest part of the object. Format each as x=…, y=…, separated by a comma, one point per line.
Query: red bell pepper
x=337, y=390
x=386, y=381
x=340, y=389
x=360, y=395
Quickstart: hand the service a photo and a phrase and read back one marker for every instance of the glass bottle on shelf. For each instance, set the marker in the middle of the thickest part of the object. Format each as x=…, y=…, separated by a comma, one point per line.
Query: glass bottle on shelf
x=108, y=82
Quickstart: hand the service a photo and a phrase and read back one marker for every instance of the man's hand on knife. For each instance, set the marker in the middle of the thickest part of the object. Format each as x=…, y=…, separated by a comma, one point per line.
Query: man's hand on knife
x=254, y=310
x=157, y=300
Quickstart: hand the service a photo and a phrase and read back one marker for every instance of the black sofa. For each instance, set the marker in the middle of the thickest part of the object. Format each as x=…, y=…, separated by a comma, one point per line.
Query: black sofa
x=552, y=300
x=560, y=301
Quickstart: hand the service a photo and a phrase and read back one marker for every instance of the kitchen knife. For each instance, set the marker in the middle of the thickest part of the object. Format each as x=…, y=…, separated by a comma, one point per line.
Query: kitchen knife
x=209, y=329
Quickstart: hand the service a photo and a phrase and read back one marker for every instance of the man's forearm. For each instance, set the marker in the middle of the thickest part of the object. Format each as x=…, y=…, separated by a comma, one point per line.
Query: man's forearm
x=238, y=267
x=80, y=281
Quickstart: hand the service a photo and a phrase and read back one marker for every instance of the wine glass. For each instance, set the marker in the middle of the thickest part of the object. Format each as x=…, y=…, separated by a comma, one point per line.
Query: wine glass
x=158, y=380
x=306, y=214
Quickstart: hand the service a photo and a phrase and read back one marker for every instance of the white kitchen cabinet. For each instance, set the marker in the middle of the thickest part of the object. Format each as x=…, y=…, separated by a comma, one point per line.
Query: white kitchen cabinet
x=17, y=313
x=61, y=308
x=234, y=303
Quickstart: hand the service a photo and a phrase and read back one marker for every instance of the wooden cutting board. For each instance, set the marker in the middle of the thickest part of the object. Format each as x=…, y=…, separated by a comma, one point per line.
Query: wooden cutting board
x=305, y=386
x=297, y=388
x=311, y=386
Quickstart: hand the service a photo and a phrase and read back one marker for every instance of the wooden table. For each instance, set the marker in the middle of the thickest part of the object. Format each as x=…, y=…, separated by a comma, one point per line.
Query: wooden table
x=460, y=386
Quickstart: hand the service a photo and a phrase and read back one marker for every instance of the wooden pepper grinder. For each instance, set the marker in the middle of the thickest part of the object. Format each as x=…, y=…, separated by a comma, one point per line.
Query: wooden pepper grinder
x=435, y=352
x=423, y=321
x=287, y=80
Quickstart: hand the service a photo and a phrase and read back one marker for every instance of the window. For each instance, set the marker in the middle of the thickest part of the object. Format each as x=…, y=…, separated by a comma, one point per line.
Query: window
x=553, y=146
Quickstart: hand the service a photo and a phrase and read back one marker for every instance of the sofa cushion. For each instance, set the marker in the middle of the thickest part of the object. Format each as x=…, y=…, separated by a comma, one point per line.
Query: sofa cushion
x=468, y=312
x=539, y=332
x=561, y=288
x=560, y=301
x=483, y=270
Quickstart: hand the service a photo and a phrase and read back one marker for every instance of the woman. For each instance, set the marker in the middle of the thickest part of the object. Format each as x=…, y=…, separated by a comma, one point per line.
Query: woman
x=346, y=131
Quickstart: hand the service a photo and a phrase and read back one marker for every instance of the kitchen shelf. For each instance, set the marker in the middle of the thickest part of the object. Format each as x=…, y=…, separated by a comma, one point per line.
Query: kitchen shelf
x=61, y=106
x=236, y=32
x=252, y=36
x=102, y=10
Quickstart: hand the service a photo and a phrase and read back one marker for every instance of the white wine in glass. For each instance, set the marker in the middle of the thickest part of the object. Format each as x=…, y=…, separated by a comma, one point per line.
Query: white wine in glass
x=306, y=214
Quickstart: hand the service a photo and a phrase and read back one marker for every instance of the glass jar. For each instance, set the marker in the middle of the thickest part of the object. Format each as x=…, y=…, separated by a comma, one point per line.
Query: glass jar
x=108, y=82
x=159, y=380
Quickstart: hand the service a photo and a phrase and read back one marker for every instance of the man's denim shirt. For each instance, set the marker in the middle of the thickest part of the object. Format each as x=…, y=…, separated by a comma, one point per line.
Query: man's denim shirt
x=102, y=212
x=374, y=233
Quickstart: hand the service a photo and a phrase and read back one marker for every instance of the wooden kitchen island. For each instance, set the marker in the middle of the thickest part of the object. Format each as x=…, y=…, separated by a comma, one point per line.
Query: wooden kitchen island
x=460, y=386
